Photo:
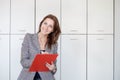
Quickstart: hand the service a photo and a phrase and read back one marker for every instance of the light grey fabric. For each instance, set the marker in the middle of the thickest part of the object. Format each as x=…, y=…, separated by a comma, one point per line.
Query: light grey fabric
x=30, y=47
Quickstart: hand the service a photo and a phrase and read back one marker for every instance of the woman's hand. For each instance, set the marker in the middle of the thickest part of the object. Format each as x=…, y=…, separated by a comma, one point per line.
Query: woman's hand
x=51, y=66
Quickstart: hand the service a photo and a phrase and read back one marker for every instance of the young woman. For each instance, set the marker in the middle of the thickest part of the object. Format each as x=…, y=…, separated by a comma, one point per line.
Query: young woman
x=45, y=41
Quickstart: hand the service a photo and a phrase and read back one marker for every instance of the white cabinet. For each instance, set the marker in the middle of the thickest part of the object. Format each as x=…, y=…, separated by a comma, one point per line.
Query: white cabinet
x=73, y=57
x=22, y=16
x=117, y=40
x=73, y=16
x=100, y=16
x=45, y=7
x=4, y=16
x=100, y=57
x=4, y=57
x=16, y=44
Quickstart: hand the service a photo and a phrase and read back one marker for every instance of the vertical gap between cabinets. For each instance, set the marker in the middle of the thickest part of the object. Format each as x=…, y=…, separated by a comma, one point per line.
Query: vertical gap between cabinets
x=113, y=39
x=86, y=39
x=10, y=43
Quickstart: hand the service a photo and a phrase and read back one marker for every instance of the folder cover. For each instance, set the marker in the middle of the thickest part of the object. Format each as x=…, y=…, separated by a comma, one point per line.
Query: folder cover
x=39, y=62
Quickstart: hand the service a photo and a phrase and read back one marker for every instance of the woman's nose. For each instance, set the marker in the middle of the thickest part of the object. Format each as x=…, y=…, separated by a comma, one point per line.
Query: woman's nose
x=47, y=26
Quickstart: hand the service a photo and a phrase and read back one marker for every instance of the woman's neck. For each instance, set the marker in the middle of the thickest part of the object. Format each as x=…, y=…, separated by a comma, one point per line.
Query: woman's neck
x=42, y=40
x=42, y=36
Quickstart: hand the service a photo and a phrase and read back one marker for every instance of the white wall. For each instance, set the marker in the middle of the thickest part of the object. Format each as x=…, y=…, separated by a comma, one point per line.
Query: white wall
x=88, y=46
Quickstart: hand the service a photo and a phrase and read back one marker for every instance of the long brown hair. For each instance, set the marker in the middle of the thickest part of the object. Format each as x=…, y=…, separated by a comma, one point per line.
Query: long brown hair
x=53, y=36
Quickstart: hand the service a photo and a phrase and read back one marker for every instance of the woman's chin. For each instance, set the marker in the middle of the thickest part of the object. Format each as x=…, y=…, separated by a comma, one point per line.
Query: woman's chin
x=45, y=33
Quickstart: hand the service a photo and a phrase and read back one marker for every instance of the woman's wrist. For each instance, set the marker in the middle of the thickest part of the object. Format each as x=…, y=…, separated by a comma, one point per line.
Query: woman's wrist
x=54, y=70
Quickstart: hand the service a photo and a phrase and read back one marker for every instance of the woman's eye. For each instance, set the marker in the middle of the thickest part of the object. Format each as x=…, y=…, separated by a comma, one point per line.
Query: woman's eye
x=50, y=26
x=45, y=23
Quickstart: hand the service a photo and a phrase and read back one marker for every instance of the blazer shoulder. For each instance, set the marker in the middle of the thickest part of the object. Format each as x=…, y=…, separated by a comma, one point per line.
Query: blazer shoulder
x=29, y=35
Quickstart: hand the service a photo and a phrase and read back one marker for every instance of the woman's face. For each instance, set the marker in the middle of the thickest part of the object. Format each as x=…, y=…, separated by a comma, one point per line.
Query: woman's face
x=47, y=26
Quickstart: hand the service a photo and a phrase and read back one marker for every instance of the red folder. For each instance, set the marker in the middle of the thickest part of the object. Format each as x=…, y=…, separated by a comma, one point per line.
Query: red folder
x=39, y=62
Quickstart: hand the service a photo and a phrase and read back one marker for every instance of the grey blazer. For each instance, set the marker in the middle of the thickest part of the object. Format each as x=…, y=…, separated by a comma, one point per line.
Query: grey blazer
x=30, y=47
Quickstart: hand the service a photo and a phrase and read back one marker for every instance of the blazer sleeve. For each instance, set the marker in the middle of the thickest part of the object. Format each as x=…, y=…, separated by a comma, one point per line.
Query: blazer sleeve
x=55, y=51
x=55, y=48
x=25, y=56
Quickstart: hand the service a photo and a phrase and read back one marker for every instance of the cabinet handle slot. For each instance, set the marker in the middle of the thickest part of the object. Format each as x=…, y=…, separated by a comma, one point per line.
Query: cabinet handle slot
x=73, y=39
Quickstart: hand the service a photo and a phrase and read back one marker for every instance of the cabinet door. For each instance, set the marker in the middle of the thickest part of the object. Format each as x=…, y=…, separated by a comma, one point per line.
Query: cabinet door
x=73, y=57
x=4, y=16
x=57, y=74
x=4, y=57
x=45, y=7
x=117, y=40
x=16, y=44
x=100, y=57
x=22, y=16
x=100, y=16
x=73, y=16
